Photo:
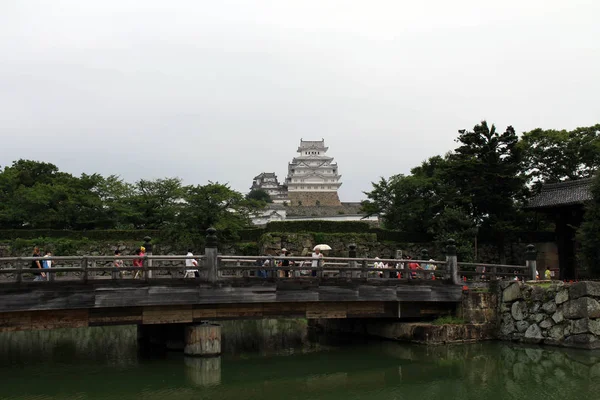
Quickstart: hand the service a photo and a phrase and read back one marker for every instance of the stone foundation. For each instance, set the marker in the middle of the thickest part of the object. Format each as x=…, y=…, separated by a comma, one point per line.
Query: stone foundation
x=414, y=332
x=299, y=199
x=552, y=313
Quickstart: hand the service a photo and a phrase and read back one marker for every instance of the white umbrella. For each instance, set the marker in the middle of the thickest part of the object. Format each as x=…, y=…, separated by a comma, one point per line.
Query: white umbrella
x=322, y=247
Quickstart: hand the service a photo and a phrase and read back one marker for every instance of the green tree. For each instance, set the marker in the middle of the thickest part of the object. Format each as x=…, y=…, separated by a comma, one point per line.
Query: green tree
x=552, y=156
x=157, y=203
x=37, y=195
x=259, y=195
x=410, y=202
x=215, y=205
x=589, y=232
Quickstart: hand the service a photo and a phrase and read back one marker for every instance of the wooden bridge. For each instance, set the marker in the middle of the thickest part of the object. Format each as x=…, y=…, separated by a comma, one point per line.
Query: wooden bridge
x=91, y=291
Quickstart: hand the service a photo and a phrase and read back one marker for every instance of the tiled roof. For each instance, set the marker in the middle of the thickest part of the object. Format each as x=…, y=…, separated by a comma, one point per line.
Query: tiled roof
x=563, y=194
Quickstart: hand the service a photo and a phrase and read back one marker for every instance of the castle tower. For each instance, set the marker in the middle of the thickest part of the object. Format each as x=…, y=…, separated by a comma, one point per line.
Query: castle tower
x=313, y=177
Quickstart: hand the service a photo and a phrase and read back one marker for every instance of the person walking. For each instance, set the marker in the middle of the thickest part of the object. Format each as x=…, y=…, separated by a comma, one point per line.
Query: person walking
x=413, y=267
x=316, y=255
x=118, y=263
x=37, y=265
x=284, y=263
x=47, y=264
x=139, y=262
x=191, y=266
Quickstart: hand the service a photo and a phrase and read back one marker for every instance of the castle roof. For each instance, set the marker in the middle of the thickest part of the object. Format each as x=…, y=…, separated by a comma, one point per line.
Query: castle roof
x=563, y=194
x=266, y=175
x=312, y=145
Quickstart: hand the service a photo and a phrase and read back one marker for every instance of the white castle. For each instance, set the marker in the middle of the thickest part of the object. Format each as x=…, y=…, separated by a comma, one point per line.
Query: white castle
x=312, y=170
x=313, y=178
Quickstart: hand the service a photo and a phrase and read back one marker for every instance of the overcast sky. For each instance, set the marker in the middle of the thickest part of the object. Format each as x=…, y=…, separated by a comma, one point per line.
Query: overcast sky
x=222, y=90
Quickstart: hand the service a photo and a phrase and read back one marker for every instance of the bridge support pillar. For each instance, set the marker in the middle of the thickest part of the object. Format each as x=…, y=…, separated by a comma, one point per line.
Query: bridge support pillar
x=203, y=340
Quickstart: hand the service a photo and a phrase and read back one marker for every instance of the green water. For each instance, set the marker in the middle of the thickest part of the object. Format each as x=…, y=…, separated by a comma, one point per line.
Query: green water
x=104, y=363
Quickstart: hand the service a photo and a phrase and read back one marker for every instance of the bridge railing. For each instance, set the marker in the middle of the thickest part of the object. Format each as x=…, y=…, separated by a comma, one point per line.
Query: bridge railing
x=213, y=267
x=84, y=268
x=330, y=267
x=469, y=271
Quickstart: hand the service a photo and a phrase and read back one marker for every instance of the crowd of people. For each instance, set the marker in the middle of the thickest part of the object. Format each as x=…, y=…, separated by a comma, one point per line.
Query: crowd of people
x=405, y=268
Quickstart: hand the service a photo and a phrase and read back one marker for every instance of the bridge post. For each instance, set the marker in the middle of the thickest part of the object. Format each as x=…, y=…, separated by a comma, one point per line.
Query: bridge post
x=203, y=340
x=352, y=264
x=531, y=262
x=148, y=246
x=425, y=257
x=452, y=261
x=84, y=265
x=210, y=251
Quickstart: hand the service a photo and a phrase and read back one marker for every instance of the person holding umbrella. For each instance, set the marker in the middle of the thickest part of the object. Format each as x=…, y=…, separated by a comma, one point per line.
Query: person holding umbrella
x=315, y=263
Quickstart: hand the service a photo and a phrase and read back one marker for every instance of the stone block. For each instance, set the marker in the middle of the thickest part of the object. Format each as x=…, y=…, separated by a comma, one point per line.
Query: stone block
x=585, y=325
x=519, y=310
x=512, y=293
x=537, y=294
x=533, y=334
x=556, y=332
x=581, y=289
x=562, y=296
x=549, y=307
x=552, y=342
x=537, y=318
x=507, y=327
x=583, y=307
x=558, y=317
x=522, y=326
x=547, y=323
x=583, y=341
x=568, y=328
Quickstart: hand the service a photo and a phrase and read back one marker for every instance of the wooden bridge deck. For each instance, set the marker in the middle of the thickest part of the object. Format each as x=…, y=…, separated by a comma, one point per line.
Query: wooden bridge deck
x=35, y=305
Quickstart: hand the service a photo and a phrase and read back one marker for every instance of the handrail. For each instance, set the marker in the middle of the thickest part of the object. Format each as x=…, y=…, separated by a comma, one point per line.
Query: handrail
x=470, y=264
x=232, y=267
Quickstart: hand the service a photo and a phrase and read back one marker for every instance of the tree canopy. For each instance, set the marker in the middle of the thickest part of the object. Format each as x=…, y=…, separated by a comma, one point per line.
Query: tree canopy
x=36, y=195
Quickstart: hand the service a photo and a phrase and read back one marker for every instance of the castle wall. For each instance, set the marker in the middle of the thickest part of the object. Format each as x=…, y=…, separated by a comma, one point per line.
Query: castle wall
x=310, y=199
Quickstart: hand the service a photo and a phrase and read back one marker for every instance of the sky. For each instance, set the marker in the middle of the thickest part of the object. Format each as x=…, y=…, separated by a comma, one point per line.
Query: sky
x=224, y=90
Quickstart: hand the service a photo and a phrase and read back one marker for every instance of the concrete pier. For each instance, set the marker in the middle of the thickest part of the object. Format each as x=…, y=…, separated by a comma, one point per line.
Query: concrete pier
x=203, y=340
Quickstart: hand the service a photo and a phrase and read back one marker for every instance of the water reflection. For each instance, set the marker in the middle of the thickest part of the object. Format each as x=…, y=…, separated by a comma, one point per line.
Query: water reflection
x=281, y=362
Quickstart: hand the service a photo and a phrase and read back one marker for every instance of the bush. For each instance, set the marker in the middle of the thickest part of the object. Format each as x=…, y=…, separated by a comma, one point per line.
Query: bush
x=13, y=234
x=449, y=320
x=318, y=226
x=251, y=235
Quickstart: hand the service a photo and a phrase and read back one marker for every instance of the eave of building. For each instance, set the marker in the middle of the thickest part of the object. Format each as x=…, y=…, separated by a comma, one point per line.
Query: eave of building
x=563, y=194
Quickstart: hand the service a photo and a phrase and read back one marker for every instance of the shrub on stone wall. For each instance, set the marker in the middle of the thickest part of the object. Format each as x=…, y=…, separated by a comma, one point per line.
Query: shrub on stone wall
x=13, y=234
x=318, y=226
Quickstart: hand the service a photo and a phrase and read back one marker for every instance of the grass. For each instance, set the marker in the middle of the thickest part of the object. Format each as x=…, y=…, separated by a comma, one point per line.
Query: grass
x=544, y=285
x=449, y=320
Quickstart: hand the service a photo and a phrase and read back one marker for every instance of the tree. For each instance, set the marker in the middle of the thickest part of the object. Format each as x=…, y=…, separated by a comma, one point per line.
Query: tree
x=478, y=185
x=215, y=205
x=259, y=195
x=37, y=195
x=553, y=156
x=409, y=203
x=589, y=232
x=158, y=202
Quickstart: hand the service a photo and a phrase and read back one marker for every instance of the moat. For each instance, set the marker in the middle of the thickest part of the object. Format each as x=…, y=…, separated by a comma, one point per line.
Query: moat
x=284, y=360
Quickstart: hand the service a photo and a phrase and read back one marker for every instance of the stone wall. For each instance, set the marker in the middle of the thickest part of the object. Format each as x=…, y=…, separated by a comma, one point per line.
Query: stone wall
x=413, y=332
x=478, y=307
x=301, y=244
x=552, y=313
x=311, y=198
